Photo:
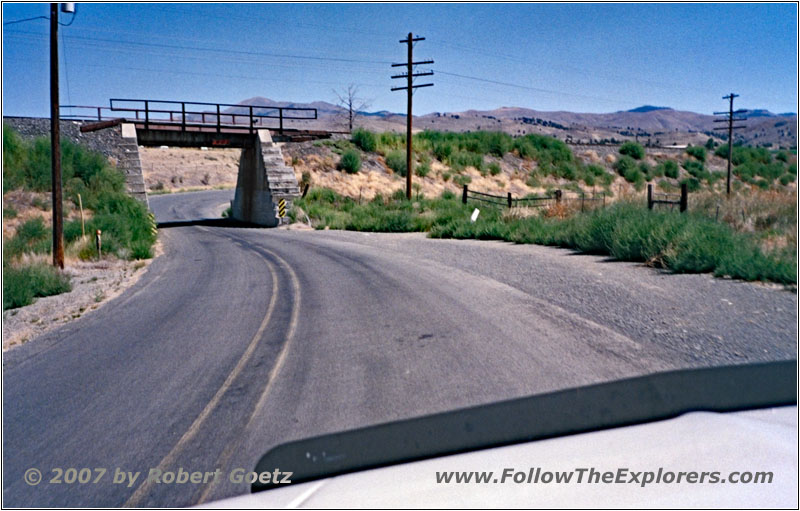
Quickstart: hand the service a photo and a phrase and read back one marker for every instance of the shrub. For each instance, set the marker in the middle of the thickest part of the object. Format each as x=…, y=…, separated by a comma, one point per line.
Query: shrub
x=692, y=184
x=462, y=180
x=22, y=285
x=422, y=169
x=396, y=160
x=442, y=151
x=670, y=168
x=697, y=152
x=123, y=219
x=624, y=165
x=366, y=140
x=350, y=162
x=463, y=159
x=710, y=144
x=787, y=178
x=31, y=237
x=632, y=149
x=494, y=168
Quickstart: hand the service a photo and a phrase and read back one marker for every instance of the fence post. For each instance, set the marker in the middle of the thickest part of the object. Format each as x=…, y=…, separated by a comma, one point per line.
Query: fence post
x=464, y=195
x=649, y=196
x=251, y=119
x=558, y=196
x=219, y=129
x=146, y=114
x=280, y=119
x=684, y=197
x=183, y=116
x=583, y=195
x=98, y=243
x=509, y=200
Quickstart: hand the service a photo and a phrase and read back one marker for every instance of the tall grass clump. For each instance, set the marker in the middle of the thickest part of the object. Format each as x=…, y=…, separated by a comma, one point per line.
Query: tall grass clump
x=396, y=160
x=365, y=140
x=350, y=162
x=22, y=285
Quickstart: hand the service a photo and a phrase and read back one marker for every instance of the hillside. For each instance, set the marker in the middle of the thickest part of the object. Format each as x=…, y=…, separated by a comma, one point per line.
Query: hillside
x=662, y=126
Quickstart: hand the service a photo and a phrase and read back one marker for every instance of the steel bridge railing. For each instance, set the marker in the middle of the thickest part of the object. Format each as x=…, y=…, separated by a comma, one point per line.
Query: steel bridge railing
x=191, y=114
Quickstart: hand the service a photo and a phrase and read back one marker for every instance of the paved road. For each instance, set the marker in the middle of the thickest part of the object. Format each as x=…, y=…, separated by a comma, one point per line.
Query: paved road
x=239, y=339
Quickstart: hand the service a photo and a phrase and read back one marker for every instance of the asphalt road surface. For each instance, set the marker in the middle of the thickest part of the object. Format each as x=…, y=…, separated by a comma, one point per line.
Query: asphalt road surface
x=239, y=339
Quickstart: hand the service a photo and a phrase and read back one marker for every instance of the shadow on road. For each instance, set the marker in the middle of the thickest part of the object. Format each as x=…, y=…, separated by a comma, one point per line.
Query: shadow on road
x=208, y=222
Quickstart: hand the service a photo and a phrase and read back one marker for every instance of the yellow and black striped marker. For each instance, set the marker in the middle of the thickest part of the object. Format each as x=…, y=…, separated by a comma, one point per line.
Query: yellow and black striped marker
x=153, y=226
x=282, y=208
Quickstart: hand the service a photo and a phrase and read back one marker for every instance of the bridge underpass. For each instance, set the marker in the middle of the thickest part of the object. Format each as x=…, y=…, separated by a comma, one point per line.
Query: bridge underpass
x=263, y=177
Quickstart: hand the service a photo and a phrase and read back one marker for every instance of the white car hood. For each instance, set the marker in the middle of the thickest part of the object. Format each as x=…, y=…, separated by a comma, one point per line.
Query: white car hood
x=753, y=441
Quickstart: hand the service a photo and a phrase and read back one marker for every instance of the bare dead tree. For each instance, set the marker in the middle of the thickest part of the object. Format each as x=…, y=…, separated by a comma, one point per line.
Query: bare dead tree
x=351, y=102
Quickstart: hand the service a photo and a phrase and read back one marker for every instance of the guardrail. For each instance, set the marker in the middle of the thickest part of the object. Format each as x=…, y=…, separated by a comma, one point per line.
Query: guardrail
x=190, y=114
x=510, y=201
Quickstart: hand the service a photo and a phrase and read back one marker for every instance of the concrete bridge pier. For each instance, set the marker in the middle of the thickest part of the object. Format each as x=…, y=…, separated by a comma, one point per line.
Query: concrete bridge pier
x=263, y=180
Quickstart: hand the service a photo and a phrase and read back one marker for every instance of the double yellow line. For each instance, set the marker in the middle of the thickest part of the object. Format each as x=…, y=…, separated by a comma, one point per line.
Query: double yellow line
x=190, y=433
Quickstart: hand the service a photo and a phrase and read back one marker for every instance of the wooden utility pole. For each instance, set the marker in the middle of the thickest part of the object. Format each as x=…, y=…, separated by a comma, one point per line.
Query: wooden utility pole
x=410, y=75
x=730, y=118
x=55, y=143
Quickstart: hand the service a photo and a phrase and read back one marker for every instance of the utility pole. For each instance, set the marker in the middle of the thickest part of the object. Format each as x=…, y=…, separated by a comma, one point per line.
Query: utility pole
x=55, y=143
x=730, y=118
x=410, y=75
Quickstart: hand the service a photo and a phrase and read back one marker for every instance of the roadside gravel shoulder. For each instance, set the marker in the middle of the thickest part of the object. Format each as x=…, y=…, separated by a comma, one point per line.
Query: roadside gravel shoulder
x=94, y=283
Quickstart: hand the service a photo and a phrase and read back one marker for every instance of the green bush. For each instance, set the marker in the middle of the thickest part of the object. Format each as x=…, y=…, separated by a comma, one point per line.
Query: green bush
x=697, y=152
x=396, y=160
x=31, y=237
x=350, y=161
x=670, y=168
x=123, y=219
x=366, y=140
x=624, y=165
x=22, y=285
x=632, y=149
x=692, y=184
x=494, y=168
x=422, y=169
x=696, y=169
x=626, y=231
x=462, y=180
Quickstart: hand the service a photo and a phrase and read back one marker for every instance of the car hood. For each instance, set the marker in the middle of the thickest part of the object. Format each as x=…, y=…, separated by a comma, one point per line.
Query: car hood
x=762, y=440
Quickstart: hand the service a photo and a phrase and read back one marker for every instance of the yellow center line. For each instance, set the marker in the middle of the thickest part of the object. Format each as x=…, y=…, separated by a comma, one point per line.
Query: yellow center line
x=190, y=433
x=230, y=449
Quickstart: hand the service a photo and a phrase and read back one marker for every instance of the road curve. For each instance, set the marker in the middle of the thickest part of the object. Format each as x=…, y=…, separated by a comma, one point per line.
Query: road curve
x=238, y=339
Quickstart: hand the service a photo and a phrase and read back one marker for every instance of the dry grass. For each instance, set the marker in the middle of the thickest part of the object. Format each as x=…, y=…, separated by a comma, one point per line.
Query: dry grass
x=770, y=213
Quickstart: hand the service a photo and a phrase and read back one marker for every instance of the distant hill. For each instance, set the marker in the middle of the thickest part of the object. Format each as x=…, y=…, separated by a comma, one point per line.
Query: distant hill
x=648, y=108
x=658, y=124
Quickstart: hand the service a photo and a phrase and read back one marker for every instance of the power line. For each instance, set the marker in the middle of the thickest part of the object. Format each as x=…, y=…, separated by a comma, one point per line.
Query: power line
x=26, y=19
x=145, y=51
x=527, y=87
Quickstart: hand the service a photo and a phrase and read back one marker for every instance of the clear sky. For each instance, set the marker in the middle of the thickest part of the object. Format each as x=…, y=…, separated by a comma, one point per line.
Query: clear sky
x=575, y=57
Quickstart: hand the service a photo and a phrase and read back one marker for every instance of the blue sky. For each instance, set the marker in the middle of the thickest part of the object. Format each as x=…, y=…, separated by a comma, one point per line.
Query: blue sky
x=575, y=57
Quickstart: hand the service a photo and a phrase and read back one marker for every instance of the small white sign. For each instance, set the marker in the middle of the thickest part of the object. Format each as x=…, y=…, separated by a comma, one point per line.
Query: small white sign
x=475, y=215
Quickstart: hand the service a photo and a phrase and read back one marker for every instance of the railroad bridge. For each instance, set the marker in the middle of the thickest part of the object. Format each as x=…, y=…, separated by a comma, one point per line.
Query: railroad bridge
x=263, y=177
